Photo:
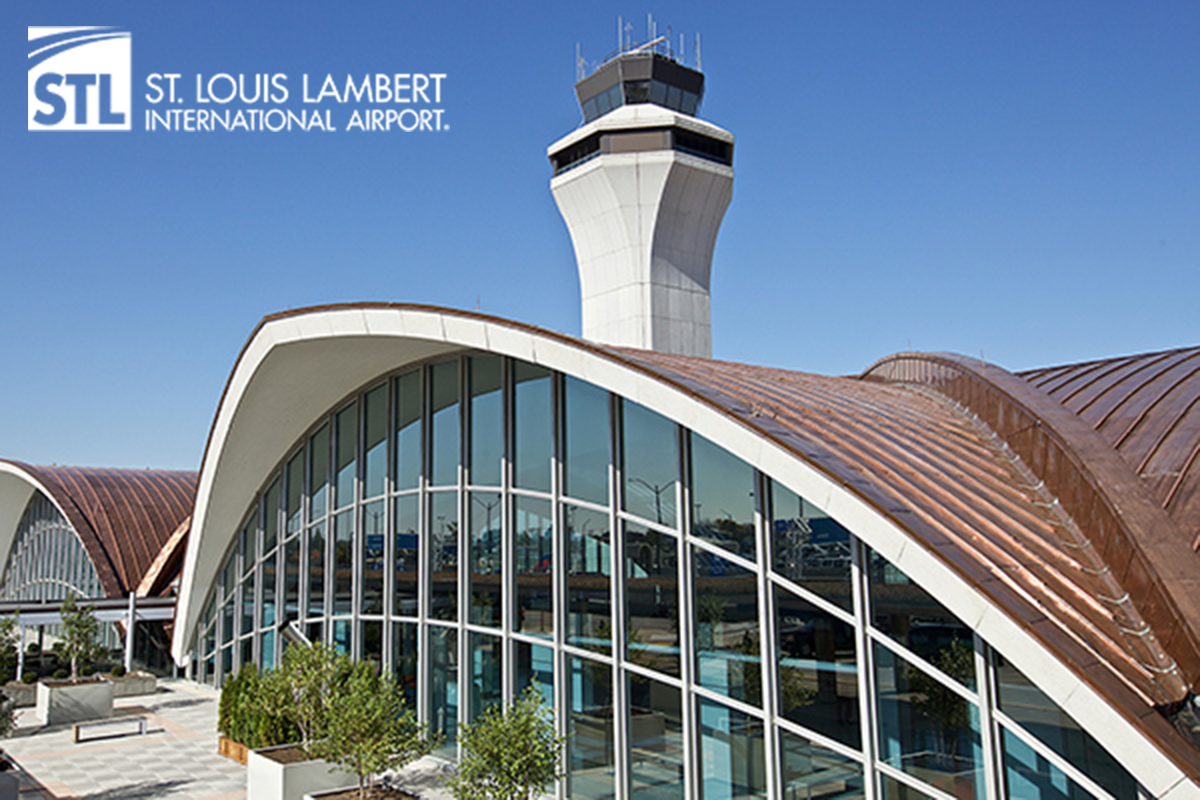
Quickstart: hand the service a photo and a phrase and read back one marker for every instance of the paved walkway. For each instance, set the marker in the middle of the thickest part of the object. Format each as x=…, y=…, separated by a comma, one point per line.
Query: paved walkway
x=176, y=759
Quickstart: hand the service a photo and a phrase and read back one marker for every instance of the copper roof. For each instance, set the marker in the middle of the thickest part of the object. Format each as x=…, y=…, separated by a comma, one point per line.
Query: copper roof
x=124, y=517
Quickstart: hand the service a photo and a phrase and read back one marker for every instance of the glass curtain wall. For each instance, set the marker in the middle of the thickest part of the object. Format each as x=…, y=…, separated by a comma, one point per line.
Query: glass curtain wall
x=479, y=525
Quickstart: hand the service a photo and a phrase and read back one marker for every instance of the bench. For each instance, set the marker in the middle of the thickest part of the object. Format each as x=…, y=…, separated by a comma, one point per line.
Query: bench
x=80, y=727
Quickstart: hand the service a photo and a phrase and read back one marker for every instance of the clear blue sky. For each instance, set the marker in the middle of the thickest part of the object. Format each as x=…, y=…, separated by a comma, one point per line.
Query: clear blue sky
x=1017, y=178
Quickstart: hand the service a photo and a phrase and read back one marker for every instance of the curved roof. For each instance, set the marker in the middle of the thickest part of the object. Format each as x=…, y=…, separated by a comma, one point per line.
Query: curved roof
x=124, y=517
x=914, y=475
x=1148, y=408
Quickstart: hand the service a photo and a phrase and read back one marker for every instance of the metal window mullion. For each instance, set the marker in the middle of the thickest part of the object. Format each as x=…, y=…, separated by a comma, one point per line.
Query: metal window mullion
x=1068, y=769
x=508, y=581
x=389, y=527
x=868, y=721
x=923, y=665
x=908, y=780
x=989, y=734
x=464, y=552
x=767, y=641
x=686, y=610
x=424, y=554
x=558, y=584
x=616, y=588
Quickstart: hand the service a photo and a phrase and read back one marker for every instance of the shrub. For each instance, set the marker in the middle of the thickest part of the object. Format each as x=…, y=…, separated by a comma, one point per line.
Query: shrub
x=61, y=674
x=308, y=680
x=32, y=649
x=117, y=671
x=29, y=678
x=8, y=716
x=246, y=715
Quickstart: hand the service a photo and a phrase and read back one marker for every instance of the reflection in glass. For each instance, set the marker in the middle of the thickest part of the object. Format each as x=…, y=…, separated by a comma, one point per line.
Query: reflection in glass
x=895, y=790
x=818, y=669
x=270, y=512
x=268, y=650
x=652, y=598
x=268, y=592
x=655, y=739
x=248, y=543
x=294, y=493
x=343, y=563
x=485, y=673
x=291, y=580
x=405, y=558
x=371, y=632
x=809, y=547
x=345, y=434
x=408, y=430
x=591, y=757
x=404, y=660
x=487, y=543
x=247, y=604
x=316, y=570
x=318, y=472
x=732, y=760
x=722, y=498
x=727, y=638
x=444, y=433
x=443, y=554
x=487, y=421
x=374, y=525
x=1029, y=775
x=810, y=770
x=535, y=667
x=586, y=443
x=649, y=464
x=910, y=615
x=926, y=729
x=375, y=441
x=341, y=636
x=533, y=420
x=443, y=687
x=1033, y=710
x=533, y=541
x=589, y=613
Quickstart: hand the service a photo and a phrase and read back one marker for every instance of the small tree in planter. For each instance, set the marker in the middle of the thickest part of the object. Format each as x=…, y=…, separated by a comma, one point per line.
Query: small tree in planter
x=368, y=728
x=508, y=754
x=81, y=632
x=305, y=686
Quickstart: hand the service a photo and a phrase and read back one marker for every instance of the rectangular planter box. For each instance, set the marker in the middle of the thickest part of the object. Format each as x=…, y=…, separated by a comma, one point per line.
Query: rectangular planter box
x=132, y=684
x=23, y=695
x=230, y=749
x=269, y=780
x=62, y=702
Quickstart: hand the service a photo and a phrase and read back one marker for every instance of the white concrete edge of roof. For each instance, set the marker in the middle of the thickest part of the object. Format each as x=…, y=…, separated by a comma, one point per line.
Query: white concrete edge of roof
x=640, y=115
x=354, y=345
x=16, y=488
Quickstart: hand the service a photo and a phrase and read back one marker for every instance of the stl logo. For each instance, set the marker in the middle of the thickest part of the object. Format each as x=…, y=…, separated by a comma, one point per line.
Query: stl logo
x=80, y=79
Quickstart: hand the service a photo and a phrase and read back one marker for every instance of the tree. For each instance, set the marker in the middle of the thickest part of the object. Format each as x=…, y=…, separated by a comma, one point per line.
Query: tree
x=81, y=634
x=368, y=729
x=8, y=648
x=304, y=687
x=510, y=754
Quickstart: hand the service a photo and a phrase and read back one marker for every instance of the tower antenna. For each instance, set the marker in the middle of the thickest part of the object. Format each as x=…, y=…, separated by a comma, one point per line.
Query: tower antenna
x=620, y=34
x=580, y=64
x=699, y=68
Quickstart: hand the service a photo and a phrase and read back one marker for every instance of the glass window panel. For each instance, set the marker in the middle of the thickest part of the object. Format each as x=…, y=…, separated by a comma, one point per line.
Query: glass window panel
x=818, y=669
x=722, y=498
x=374, y=529
x=375, y=441
x=247, y=648
x=534, y=540
x=591, y=755
x=227, y=610
x=691, y=101
x=372, y=641
x=1020, y=699
x=318, y=472
x=345, y=431
x=408, y=430
x=443, y=553
x=810, y=770
x=586, y=442
x=911, y=616
x=268, y=650
x=655, y=739
x=652, y=598
x=658, y=93
x=926, y=729
x=1029, y=775
x=229, y=580
x=249, y=543
x=487, y=544
x=533, y=420
x=316, y=631
x=443, y=693
x=270, y=514
x=732, y=758
x=444, y=423
x=404, y=659
x=895, y=790
x=589, y=613
x=727, y=636
x=316, y=570
x=341, y=636
x=268, y=591
x=227, y=661
x=486, y=673
x=487, y=420
x=535, y=667
x=407, y=553
x=291, y=579
x=674, y=98
x=343, y=563
x=295, y=493
x=809, y=547
x=247, y=605
x=650, y=463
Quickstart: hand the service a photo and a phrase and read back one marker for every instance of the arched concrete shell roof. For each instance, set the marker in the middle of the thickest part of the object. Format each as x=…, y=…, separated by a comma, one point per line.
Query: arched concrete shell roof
x=124, y=517
x=922, y=482
x=1148, y=408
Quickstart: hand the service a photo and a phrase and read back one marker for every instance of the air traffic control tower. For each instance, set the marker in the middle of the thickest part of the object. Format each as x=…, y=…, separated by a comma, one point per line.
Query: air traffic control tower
x=643, y=186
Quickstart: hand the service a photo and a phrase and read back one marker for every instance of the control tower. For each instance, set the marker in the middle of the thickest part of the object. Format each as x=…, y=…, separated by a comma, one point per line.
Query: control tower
x=643, y=187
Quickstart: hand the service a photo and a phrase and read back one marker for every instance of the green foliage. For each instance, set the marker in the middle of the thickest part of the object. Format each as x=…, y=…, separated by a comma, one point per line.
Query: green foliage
x=29, y=677
x=508, y=754
x=304, y=687
x=368, y=729
x=8, y=646
x=246, y=714
x=117, y=671
x=942, y=706
x=8, y=716
x=61, y=674
x=80, y=635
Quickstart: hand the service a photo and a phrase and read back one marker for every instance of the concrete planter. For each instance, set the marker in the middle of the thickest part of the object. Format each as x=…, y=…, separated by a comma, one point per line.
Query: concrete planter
x=60, y=702
x=132, y=684
x=23, y=695
x=267, y=779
